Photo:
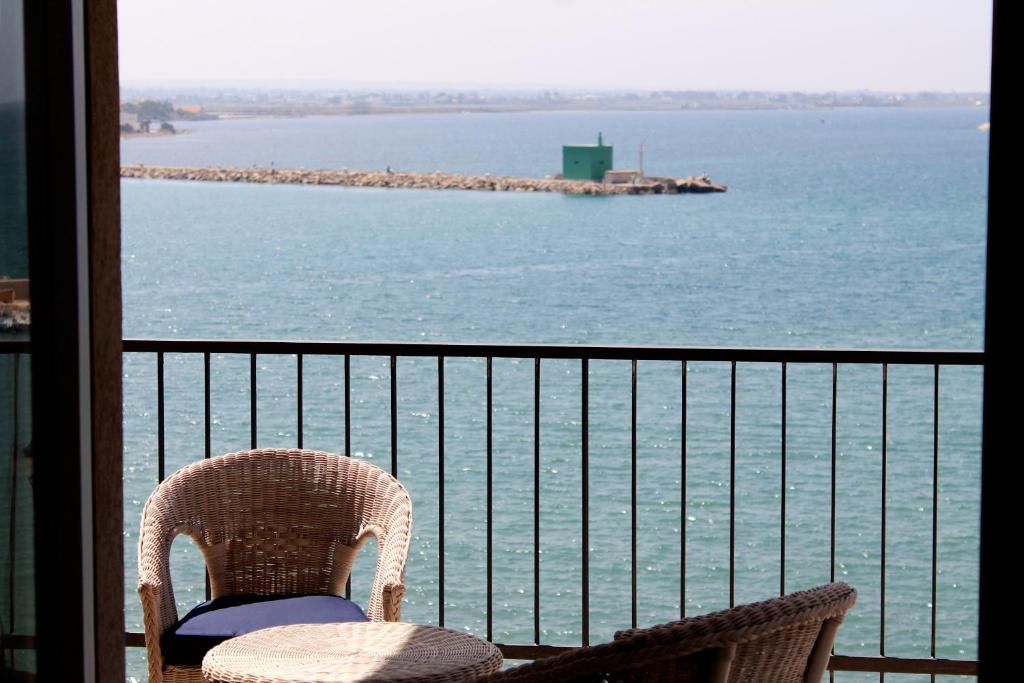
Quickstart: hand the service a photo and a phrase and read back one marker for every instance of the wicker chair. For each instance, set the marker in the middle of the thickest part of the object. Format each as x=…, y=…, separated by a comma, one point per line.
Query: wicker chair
x=784, y=640
x=272, y=522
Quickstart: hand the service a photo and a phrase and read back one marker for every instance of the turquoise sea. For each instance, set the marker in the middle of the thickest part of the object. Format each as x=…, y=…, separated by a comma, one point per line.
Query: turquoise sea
x=841, y=228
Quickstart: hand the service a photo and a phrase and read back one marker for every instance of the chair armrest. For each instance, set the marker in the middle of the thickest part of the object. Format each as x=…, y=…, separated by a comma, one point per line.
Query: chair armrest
x=156, y=593
x=154, y=622
x=389, y=577
x=391, y=601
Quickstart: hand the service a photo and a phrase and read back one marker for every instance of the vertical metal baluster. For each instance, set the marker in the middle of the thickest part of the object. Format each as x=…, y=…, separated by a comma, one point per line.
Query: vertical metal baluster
x=206, y=434
x=348, y=440
x=832, y=505
x=490, y=499
x=632, y=569
x=206, y=405
x=298, y=399
x=682, y=492
x=585, y=484
x=348, y=405
x=782, y=524
x=12, y=514
x=394, y=417
x=732, y=487
x=536, y=501
x=440, y=490
x=252, y=400
x=885, y=464
x=160, y=415
x=935, y=505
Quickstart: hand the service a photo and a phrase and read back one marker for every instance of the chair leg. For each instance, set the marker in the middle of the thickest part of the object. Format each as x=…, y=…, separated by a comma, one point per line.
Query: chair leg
x=723, y=664
x=818, y=661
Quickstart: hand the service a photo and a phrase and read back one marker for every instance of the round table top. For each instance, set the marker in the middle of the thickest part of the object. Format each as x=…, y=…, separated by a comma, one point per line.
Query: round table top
x=354, y=651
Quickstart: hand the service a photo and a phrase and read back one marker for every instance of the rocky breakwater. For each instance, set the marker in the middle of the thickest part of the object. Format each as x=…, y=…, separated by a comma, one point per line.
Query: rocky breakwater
x=698, y=185
x=406, y=180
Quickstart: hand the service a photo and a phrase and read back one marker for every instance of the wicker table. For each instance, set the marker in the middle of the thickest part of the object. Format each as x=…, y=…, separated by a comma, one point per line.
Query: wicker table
x=358, y=651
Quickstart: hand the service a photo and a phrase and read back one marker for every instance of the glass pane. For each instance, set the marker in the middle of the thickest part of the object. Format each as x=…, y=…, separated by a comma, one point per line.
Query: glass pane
x=17, y=606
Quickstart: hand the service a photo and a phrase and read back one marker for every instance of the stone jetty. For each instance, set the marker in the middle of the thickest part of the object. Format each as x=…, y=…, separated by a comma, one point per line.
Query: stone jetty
x=427, y=181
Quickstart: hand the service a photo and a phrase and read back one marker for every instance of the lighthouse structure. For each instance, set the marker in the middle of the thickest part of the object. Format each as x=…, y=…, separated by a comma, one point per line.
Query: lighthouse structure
x=586, y=162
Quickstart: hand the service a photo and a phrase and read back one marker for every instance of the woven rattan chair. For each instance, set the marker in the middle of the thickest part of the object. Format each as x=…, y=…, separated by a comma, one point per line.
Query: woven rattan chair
x=784, y=640
x=272, y=522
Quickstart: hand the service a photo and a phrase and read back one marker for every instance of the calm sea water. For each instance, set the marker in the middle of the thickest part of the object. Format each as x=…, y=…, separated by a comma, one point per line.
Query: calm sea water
x=862, y=228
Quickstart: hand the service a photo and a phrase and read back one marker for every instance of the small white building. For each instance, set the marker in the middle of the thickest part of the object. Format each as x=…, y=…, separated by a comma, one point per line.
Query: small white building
x=622, y=176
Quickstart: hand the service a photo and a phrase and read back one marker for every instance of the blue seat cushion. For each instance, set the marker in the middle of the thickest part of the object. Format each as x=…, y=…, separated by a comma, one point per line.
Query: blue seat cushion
x=213, y=622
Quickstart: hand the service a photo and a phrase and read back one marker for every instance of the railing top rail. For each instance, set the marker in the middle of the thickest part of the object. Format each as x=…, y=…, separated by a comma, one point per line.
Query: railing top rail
x=560, y=351
x=15, y=345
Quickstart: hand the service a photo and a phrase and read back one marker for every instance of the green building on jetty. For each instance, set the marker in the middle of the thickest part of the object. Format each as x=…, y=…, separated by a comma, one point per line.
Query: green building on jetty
x=586, y=162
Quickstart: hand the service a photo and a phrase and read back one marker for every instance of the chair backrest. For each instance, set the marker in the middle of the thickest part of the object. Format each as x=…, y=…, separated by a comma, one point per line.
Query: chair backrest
x=274, y=521
x=783, y=640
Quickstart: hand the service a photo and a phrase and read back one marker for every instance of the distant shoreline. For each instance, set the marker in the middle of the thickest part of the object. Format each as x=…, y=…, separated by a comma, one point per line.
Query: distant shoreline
x=312, y=113
x=156, y=134
x=283, y=102
x=302, y=112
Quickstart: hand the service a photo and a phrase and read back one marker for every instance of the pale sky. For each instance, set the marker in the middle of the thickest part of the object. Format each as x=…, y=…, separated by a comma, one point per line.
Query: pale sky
x=809, y=45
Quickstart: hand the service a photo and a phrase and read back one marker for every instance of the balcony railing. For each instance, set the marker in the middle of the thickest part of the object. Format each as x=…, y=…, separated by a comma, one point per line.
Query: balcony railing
x=775, y=369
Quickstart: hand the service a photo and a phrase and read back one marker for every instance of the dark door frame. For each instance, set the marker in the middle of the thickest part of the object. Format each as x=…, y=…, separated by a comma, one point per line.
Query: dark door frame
x=999, y=447
x=71, y=100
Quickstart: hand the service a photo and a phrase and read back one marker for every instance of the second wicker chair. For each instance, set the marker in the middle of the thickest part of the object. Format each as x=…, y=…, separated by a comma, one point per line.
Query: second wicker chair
x=283, y=524
x=782, y=640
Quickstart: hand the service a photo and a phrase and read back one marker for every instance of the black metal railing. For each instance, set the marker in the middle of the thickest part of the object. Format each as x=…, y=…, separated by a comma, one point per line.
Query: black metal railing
x=682, y=356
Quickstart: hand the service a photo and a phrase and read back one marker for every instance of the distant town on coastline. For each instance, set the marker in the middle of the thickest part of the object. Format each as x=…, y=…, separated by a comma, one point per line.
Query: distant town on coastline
x=146, y=108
